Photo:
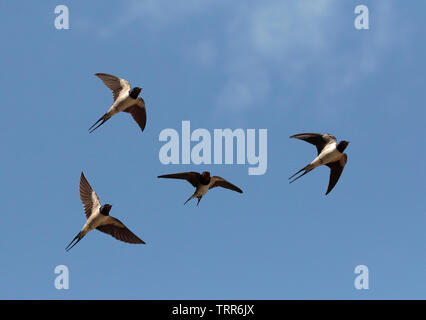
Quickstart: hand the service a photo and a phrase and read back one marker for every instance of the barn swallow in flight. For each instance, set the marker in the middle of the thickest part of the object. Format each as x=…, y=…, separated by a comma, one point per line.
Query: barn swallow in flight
x=124, y=100
x=98, y=217
x=330, y=153
x=202, y=183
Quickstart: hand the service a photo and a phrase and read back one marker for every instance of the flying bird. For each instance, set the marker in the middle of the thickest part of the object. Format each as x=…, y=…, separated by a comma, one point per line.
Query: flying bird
x=330, y=153
x=125, y=99
x=98, y=218
x=202, y=183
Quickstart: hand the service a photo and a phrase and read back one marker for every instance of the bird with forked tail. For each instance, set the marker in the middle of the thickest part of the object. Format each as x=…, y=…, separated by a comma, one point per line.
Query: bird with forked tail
x=202, y=182
x=98, y=218
x=330, y=153
x=125, y=99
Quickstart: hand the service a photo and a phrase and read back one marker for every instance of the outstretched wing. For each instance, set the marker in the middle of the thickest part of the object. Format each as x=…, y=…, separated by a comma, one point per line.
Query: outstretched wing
x=138, y=112
x=317, y=139
x=88, y=197
x=192, y=177
x=220, y=182
x=118, y=230
x=115, y=84
x=336, y=169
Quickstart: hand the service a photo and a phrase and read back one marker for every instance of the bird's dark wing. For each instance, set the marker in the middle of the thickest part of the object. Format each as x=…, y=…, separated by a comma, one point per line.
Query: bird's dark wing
x=138, y=112
x=119, y=231
x=336, y=169
x=88, y=197
x=317, y=139
x=115, y=84
x=220, y=182
x=192, y=177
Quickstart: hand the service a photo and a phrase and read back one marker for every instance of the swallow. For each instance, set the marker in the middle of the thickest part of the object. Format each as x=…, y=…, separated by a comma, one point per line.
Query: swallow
x=330, y=153
x=125, y=99
x=202, y=183
x=98, y=218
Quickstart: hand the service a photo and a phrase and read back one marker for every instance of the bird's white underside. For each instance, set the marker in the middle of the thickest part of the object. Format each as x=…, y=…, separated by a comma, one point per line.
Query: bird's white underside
x=202, y=190
x=328, y=154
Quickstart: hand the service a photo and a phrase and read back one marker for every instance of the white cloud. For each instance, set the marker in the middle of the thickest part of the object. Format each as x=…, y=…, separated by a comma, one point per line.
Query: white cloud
x=271, y=41
x=247, y=84
x=155, y=14
x=279, y=28
x=164, y=12
x=203, y=53
x=267, y=33
x=287, y=41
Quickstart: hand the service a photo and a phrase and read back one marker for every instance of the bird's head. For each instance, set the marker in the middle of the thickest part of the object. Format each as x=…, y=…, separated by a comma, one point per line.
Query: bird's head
x=134, y=93
x=205, y=174
x=205, y=178
x=105, y=209
x=342, y=145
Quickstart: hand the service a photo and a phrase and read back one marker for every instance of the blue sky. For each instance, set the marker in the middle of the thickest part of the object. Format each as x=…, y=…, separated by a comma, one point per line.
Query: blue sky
x=284, y=66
